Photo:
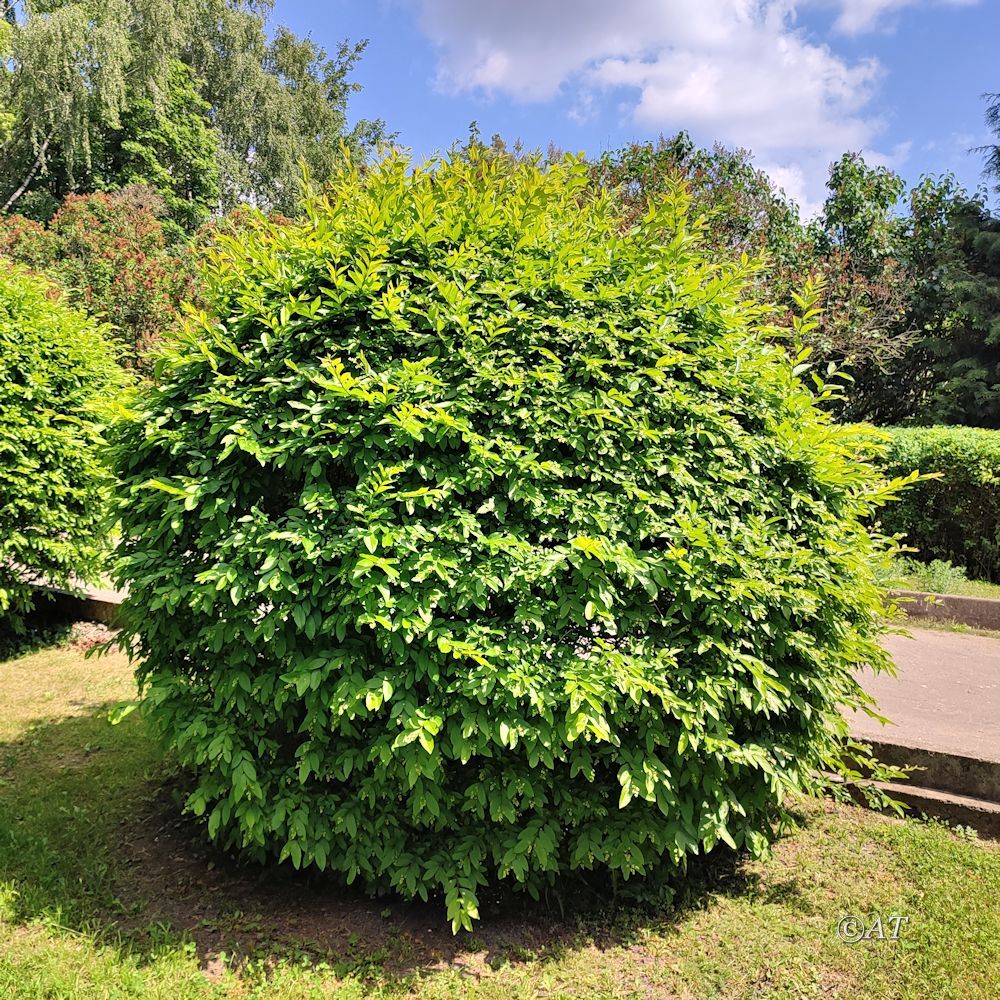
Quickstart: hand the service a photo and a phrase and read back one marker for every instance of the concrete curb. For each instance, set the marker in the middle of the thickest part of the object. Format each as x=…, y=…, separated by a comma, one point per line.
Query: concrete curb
x=976, y=612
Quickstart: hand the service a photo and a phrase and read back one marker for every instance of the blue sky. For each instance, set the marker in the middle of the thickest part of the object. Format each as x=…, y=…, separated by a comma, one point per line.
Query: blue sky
x=797, y=81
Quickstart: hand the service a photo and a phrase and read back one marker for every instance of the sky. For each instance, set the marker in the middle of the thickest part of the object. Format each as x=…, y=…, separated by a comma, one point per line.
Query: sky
x=799, y=82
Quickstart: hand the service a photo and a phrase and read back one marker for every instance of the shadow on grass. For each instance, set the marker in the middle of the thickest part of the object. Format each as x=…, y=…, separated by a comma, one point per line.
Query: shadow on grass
x=91, y=835
x=42, y=629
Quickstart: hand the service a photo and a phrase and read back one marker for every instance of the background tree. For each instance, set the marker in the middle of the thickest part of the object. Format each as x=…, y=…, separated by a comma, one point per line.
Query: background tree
x=170, y=146
x=957, y=249
x=276, y=104
x=909, y=279
x=919, y=294
x=84, y=81
x=855, y=246
x=743, y=210
x=991, y=150
x=859, y=244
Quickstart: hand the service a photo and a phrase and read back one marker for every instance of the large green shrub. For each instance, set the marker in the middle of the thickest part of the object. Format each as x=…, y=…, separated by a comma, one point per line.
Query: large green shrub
x=955, y=517
x=57, y=372
x=471, y=540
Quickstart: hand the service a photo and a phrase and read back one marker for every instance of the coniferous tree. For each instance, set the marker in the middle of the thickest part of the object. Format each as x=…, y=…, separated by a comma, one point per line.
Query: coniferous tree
x=961, y=303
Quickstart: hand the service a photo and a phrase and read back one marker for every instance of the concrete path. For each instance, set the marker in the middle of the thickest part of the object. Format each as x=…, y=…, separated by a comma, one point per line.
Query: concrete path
x=946, y=696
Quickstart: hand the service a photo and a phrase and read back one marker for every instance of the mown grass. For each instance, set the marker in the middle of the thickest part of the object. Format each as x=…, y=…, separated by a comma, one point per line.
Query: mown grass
x=940, y=625
x=105, y=893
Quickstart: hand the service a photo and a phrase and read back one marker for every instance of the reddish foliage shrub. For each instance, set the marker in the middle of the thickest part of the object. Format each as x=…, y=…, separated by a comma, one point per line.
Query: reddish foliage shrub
x=109, y=253
x=26, y=241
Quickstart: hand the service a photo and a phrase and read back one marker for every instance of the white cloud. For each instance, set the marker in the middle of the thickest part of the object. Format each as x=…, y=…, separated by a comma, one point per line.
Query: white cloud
x=742, y=72
x=737, y=71
x=792, y=180
x=769, y=90
x=864, y=15
x=895, y=159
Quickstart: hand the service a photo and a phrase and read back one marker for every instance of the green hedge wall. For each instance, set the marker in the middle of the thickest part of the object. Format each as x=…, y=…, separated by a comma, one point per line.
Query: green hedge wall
x=957, y=516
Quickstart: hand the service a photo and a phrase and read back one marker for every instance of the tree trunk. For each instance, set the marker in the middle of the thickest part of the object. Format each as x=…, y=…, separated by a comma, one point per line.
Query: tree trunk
x=30, y=176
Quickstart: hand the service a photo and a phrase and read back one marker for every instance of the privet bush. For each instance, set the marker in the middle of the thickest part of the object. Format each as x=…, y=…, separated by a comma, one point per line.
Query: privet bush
x=57, y=374
x=472, y=542
x=955, y=517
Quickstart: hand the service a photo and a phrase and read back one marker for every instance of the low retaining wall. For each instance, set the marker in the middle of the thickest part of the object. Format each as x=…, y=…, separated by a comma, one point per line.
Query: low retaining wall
x=87, y=608
x=976, y=612
x=946, y=772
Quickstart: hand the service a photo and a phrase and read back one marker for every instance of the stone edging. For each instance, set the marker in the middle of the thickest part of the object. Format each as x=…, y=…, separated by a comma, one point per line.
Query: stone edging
x=976, y=612
x=82, y=608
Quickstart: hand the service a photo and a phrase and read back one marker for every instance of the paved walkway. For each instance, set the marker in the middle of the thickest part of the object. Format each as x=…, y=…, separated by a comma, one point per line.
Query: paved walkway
x=946, y=696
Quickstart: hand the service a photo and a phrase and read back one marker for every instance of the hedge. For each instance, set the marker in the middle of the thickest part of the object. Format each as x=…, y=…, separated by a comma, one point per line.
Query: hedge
x=955, y=517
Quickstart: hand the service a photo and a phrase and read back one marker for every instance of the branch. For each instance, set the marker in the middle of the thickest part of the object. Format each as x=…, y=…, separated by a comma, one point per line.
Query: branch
x=23, y=186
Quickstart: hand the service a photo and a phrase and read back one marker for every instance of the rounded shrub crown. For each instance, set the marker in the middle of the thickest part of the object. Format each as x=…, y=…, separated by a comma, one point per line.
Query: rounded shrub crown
x=471, y=540
x=57, y=372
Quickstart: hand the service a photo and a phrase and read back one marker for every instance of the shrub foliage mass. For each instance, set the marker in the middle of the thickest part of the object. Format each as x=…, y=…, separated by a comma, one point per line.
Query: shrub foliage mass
x=472, y=540
x=955, y=515
x=57, y=373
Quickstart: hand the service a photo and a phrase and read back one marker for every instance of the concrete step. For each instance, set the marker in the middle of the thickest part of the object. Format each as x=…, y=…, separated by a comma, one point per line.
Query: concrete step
x=981, y=815
x=953, y=773
x=962, y=790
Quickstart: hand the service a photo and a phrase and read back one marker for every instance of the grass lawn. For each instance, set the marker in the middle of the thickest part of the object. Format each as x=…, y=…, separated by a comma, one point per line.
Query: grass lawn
x=106, y=893
x=979, y=588
x=940, y=625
